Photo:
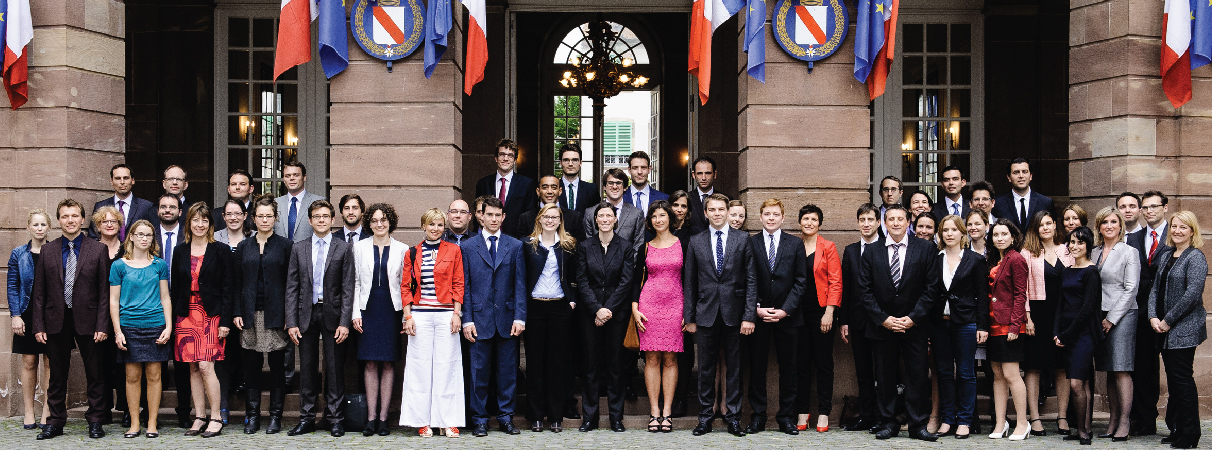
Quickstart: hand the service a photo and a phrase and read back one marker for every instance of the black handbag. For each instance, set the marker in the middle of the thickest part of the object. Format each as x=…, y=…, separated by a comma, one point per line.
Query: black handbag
x=355, y=412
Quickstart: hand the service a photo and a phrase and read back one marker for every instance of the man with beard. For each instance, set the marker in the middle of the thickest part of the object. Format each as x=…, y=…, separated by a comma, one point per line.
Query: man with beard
x=549, y=191
x=351, y=212
x=239, y=188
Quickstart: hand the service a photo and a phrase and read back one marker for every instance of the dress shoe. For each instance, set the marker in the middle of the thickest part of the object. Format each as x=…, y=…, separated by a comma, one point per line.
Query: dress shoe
x=1119, y=439
x=337, y=430
x=385, y=430
x=735, y=429
x=923, y=435
x=616, y=425
x=96, y=430
x=536, y=426
x=305, y=426
x=126, y=419
x=252, y=425
x=224, y=415
x=1172, y=438
x=557, y=426
x=371, y=427
x=507, y=427
x=1186, y=442
x=588, y=425
x=704, y=427
x=480, y=430
x=275, y=425
x=1143, y=431
x=50, y=431
x=1071, y=437
x=572, y=413
x=861, y=425
x=786, y=426
x=887, y=432
x=756, y=425
x=185, y=421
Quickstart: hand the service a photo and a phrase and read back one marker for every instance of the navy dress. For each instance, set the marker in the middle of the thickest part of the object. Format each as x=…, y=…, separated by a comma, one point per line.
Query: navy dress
x=380, y=322
x=1075, y=324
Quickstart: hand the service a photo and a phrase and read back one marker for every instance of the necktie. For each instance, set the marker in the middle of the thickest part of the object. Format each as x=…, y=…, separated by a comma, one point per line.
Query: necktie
x=122, y=211
x=317, y=272
x=1022, y=212
x=719, y=252
x=168, y=248
x=291, y=218
x=350, y=238
x=639, y=202
x=955, y=208
x=572, y=196
x=504, y=190
x=69, y=273
x=1152, y=248
x=896, y=265
x=492, y=249
x=770, y=253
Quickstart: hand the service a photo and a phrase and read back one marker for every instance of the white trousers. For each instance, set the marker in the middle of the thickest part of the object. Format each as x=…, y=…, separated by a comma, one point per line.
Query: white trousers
x=433, y=374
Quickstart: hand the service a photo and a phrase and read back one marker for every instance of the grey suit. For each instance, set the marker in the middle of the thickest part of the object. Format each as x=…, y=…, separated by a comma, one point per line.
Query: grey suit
x=302, y=226
x=1120, y=273
x=630, y=227
x=318, y=322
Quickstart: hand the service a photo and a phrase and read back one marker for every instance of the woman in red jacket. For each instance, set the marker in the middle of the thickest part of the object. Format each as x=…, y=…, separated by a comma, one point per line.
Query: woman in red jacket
x=1007, y=320
x=822, y=296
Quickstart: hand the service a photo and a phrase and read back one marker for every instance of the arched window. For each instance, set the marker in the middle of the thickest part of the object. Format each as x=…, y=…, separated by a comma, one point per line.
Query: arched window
x=576, y=45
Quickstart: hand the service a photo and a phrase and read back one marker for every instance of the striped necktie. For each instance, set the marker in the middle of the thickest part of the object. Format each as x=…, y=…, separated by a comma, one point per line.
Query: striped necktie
x=896, y=264
x=770, y=253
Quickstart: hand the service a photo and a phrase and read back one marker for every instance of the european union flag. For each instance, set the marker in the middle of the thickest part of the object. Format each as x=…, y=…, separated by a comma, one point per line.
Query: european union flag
x=334, y=46
x=755, y=38
x=3, y=29
x=437, y=26
x=1201, y=33
x=869, y=39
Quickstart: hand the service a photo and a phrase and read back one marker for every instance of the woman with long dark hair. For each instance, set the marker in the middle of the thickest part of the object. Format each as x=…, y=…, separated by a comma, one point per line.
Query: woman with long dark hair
x=1046, y=254
x=1007, y=313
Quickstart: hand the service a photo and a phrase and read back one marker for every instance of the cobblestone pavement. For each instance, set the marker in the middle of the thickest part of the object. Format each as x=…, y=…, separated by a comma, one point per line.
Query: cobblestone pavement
x=12, y=437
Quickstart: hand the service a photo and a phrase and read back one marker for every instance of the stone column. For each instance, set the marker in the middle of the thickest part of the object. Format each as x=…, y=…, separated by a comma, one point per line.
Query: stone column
x=397, y=137
x=63, y=141
x=1124, y=135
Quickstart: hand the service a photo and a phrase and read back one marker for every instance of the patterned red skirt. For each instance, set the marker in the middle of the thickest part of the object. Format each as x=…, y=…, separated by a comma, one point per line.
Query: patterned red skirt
x=198, y=334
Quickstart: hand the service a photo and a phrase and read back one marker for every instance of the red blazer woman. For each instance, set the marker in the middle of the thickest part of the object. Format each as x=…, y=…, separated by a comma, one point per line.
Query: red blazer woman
x=447, y=274
x=1008, y=295
x=827, y=270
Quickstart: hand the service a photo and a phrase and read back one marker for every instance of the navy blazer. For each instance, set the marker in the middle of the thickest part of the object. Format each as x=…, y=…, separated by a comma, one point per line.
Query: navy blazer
x=247, y=263
x=1004, y=208
x=588, y=194
x=940, y=209
x=494, y=292
x=520, y=198
x=914, y=297
x=655, y=196
x=783, y=287
x=1148, y=271
x=853, y=314
x=140, y=209
x=566, y=266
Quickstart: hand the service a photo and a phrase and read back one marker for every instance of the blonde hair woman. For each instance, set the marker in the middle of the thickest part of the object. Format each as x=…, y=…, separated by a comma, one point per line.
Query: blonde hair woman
x=20, y=283
x=1119, y=268
x=551, y=261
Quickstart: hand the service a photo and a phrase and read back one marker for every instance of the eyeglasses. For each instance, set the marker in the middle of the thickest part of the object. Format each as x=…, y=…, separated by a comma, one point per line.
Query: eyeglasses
x=174, y=180
x=109, y=222
x=144, y=235
x=458, y=212
x=238, y=214
x=506, y=155
x=321, y=216
x=379, y=221
x=264, y=216
x=889, y=189
x=551, y=217
x=614, y=183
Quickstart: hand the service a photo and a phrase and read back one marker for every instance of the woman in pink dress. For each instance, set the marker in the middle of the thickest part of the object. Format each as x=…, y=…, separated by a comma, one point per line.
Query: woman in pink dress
x=657, y=310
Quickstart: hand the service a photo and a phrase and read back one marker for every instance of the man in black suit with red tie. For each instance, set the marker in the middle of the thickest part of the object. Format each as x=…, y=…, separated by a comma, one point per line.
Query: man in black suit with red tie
x=70, y=308
x=898, y=279
x=854, y=317
x=132, y=208
x=515, y=190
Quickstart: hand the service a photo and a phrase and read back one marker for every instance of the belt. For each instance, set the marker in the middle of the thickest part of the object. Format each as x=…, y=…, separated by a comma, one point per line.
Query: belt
x=546, y=299
x=946, y=317
x=319, y=301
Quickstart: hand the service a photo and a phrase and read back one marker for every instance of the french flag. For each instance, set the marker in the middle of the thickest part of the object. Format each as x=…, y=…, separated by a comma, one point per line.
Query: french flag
x=1175, y=51
x=16, y=30
x=477, y=45
x=705, y=17
x=294, y=34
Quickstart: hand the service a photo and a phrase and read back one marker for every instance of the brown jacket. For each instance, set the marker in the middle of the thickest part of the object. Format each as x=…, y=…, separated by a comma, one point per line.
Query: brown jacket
x=90, y=293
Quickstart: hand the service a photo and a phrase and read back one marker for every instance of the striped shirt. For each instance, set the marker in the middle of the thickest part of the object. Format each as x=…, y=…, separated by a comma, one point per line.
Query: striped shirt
x=428, y=287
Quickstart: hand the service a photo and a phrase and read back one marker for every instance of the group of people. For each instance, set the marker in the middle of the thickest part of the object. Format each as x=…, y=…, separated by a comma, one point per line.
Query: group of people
x=587, y=276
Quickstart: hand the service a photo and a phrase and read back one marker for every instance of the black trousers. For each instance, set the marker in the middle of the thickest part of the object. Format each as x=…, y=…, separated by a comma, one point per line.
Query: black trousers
x=889, y=354
x=863, y=350
x=309, y=370
x=785, y=340
x=604, y=358
x=59, y=352
x=184, y=390
x=228, y=370
x=815, y=360
x=685, y=371
x=546, y=341
x=710, y=341
x=1146, y=378
x=1182, y=409
x=252, y=362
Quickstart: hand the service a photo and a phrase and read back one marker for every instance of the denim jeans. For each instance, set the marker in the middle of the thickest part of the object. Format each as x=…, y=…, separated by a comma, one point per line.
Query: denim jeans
x=954, y=348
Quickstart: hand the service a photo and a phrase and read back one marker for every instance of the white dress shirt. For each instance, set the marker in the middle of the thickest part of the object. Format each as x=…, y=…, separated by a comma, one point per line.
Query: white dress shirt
x=496, y=188
x=165, y=241
x=125, y=209
x=778, y=237
x=548, y=284
x=954, y=207
x=714, y=257
x=645, y=197
x=904, y=248
x=1161, y=233
x=948, y=275
x=356, y=233
x=1018, y=206
x=704, y=194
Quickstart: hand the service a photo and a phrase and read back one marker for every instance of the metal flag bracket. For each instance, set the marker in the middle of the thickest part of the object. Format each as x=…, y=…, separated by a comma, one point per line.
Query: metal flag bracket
x=809, y=66
x=389, y=67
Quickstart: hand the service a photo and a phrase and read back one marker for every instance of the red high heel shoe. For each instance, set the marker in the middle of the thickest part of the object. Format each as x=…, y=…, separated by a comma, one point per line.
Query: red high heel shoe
x=802, y=427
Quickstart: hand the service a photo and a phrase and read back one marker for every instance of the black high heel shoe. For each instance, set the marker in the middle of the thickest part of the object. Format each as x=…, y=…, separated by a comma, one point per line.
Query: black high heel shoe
x=1040, y=432
x=1059, y=430
x=371, y=427
x=211, y=434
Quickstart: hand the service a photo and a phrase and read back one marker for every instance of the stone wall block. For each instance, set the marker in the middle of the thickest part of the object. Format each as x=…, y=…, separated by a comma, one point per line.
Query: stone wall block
x=52, y=87
x=77, y=48
x=804, y=126
x=369, y=82
x=803, y=168
x=791, y=84
x=1100, y=99
x=1135, y=55
x=1194, y=135
x=1140, y=96
x=396, y=166
x=394, y=124
x=1078, y=98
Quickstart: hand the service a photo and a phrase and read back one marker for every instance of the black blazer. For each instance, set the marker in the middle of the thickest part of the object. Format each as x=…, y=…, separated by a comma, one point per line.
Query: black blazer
x=605, y=278
x=248, y=261
x=1089, y=318
x=212, y=280
x=572, y=221
x=731, y=296
x=853, y=314
x=695, y=218
x=969, y=293
x=1148, y=271
x=566, y=260
x=140, y=209
x=782, y=288
x=588, y=194
x=520, y=198
x=914, y=298
x=1004, y=207
x=940, y=209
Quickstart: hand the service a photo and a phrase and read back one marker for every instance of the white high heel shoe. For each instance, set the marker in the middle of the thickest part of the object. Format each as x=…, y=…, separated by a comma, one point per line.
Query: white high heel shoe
x=1021, y=437
x=1005, y=432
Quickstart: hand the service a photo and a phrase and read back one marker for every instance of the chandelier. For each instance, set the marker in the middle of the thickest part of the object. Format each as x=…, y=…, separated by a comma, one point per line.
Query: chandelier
x=598, y=75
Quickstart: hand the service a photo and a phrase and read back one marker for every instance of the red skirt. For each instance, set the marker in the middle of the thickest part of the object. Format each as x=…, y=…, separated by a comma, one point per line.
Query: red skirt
x=198, y=334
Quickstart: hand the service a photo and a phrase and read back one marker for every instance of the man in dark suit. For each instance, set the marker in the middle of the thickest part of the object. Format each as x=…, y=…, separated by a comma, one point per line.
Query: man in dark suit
x=854, y=317
x=514, y=190
x=704, y=185
x=719, y=288
x=133, y=208
x=549, y=191
x=494, y=308
x=579, y=194
x=1148, y=243
x=631, y=220
x=240, y=189
x=782, y=275
x=898, y=280
x=351, y=213
x=69, y=308
x=1128, y=204
x=953, y=202
x=319, y=306
x=641, y=193
x=1021, y=202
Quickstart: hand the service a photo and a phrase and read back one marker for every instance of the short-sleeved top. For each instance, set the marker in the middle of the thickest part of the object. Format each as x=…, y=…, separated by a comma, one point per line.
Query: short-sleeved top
x=139, y=306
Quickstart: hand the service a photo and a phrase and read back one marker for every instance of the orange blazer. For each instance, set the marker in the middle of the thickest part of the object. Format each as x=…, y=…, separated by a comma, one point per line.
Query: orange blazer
x=447, y=274
x=827, y=271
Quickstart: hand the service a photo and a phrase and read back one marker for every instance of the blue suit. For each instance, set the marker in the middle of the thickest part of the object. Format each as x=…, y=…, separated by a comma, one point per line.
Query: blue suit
x=494, y=297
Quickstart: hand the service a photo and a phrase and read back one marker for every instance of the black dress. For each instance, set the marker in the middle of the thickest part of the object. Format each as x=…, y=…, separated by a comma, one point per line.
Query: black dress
x=381, y=325
x=1042, y=352
x=1077, y=321
x=28, y=345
